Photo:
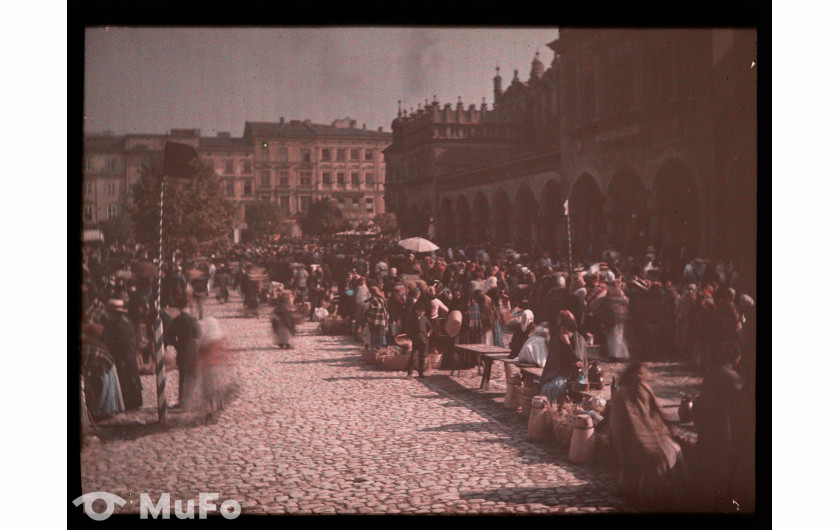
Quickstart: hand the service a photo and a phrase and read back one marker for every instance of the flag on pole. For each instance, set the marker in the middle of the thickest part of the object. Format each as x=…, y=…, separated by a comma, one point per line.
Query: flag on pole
x=566, y=207
x=177, y=160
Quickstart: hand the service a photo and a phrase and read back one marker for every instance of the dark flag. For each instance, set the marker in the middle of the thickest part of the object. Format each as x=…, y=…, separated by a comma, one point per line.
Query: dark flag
x=177, y=160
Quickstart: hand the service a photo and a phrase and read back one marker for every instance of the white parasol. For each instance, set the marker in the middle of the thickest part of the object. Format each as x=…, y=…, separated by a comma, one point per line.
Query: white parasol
x=418, y=244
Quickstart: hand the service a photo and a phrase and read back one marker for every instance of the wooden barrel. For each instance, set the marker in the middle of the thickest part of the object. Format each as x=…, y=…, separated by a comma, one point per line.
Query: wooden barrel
x=538, y=420
x=582, y=447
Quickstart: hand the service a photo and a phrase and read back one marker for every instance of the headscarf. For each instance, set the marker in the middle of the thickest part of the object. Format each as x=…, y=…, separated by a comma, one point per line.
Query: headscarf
x=525, y=319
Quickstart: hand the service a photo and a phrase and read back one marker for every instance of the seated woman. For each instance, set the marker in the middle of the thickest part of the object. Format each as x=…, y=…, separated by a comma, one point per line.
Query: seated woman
x=652, y=469
x=535, y=349
x=521, y=332
x=566, y=356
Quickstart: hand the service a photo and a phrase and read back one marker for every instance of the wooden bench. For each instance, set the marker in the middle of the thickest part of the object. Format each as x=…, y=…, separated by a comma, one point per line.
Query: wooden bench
x=488, y=359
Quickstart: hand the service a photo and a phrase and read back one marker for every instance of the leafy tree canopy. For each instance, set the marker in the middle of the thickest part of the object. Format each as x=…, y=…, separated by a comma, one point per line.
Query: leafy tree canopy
x=323, y=218
x=197, y=218
x=265, y=219
x=387, y=223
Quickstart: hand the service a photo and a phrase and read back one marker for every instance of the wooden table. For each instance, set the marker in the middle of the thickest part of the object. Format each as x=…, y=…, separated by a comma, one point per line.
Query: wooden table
x=475, y=352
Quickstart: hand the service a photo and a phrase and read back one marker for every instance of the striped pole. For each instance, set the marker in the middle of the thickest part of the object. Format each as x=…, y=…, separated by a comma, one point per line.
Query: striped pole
x=159, y=375
x=569, y=236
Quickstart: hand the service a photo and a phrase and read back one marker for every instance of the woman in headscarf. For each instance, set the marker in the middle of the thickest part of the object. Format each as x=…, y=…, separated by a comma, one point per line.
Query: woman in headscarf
x=283, y=321
x=652, y=470
x=521, y=333
x=396, y=307
x=535, y=349
x=376, y=317
x=566, y=355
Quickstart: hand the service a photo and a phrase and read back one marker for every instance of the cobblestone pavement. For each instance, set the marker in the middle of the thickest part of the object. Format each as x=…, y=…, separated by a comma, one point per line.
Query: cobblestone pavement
x=315, y=430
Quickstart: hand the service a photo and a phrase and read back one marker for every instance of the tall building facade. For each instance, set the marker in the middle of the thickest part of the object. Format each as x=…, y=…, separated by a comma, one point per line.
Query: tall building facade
x=649, y=134
x=289, y=163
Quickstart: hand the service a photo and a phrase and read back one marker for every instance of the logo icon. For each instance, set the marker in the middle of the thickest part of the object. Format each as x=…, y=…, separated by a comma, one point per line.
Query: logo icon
x=90, y=498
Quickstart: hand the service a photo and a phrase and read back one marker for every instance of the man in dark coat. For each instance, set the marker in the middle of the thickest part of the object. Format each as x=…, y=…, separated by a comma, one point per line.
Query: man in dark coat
x=122, y=345
x=184, y=333
x=720, y=428
x=418, y=328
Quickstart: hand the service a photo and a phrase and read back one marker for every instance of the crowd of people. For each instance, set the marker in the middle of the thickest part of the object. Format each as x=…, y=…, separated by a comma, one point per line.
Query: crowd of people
x=637, y=308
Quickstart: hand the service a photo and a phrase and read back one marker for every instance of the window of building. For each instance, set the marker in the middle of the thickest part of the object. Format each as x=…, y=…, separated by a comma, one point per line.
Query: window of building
x=356, y=203
x=88, y=188
x=283, y=178
x=112, y=164
x=265, y=178
x=369, y=204
x=305, y=203
x=325, y=178
x=305, y=155
x=305, y=178
x=339, y=178
x=354, y=154
x=229, y=167
x=88, y=164
x=281, y=154
x=354, y=178
x=285, y=204
x=246, y=166
x=111, y=211
x=111, y=188
x=369, y=180
x=341, y=154
x=230, y=189
x=262, y=152
x=368, y=154
x=325, y=155
x=248, y=187
x=88, y=212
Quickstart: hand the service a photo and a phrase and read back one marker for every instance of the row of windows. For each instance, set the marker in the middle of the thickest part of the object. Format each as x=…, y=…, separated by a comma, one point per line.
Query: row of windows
x=110, y=212
x=281, y=154
x=305, y=201
x=112, y=188
x=304, y=179
x=229, y=170
x=111, y=164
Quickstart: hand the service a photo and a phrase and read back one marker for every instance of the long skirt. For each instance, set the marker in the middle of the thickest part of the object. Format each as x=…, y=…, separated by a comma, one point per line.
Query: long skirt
x=498, y=339
x=111, y=400
x=554, y=389
x=282, y=334
x=616, y=345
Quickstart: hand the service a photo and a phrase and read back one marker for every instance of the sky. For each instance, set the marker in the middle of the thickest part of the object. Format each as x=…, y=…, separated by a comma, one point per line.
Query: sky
x=150, y=80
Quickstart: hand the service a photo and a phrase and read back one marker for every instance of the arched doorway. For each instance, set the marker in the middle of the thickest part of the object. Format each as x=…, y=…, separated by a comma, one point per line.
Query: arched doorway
x=481, y=218
x=585, y=216
x=446, y=224
x=463, y=221
x=676, y=220
x=625, y=212
x=501, y=218
x=551, y=220
x=524, y=217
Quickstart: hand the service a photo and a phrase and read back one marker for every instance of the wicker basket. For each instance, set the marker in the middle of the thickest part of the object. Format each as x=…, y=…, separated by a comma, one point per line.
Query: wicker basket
x=403, y=341
x=332, y=325
x=399, y=362
x=562, y=424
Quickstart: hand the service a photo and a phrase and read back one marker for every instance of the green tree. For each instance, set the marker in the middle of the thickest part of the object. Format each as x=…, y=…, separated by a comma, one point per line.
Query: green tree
x=264, y=219
x=197, y=218
x=323, y=218
x=387, y=223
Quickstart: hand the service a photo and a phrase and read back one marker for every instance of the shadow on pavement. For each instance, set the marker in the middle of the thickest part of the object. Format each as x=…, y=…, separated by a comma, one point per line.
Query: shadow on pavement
x=351, y=359
x=475, y=426
x=560, y=495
